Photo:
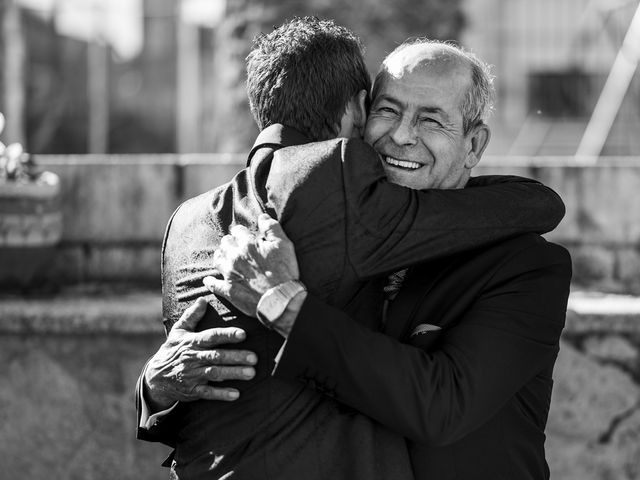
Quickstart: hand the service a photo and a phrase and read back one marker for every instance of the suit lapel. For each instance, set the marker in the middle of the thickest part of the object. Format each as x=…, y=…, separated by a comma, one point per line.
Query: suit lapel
x=269, y=140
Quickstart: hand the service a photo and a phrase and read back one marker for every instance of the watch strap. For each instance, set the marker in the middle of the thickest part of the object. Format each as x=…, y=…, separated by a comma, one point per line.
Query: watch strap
x=274, y=301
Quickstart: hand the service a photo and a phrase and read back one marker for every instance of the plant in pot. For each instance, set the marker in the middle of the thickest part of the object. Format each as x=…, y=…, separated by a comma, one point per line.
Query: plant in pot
x=30, y=217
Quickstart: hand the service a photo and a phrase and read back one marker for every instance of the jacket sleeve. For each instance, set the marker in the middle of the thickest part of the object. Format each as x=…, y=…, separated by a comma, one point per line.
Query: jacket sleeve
x=391, y=227
x=164, y=428
x=507, y=337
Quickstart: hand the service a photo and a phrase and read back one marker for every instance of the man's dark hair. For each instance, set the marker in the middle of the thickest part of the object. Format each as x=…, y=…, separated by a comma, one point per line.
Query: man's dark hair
x=303, y=74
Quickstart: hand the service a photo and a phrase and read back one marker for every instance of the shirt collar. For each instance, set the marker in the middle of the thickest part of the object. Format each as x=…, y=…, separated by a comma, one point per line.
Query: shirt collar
x=277, y=136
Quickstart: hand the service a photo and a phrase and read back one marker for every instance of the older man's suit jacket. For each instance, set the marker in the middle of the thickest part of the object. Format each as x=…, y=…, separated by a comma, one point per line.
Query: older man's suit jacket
x=349, y=225
x=472, y=397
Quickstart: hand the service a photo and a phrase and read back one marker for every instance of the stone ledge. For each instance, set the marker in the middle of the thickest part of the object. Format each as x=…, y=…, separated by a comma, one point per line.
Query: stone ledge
x=141, y=313
x=128, y=313
x=594, y=312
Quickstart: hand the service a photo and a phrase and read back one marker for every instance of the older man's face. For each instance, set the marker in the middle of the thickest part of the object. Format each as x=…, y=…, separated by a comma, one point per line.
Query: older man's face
x=416, y=124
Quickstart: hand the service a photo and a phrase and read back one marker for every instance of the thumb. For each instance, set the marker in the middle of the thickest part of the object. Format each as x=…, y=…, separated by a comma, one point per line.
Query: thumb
x=270, y=228
x=192, y=315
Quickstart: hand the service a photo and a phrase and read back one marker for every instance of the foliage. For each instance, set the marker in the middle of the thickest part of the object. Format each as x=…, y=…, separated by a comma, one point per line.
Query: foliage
x=15, y=164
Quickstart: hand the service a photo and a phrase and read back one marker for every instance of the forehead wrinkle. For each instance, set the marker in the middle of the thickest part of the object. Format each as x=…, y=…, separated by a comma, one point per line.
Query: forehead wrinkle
x=388, y=92
x=389, y=84
x=418, y=71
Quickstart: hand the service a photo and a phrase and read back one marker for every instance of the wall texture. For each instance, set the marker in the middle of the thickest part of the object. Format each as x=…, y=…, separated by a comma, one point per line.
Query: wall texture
x=116, y=208
x=593, y=431
x=602, y=226
x=70, y=364
x=67, y=405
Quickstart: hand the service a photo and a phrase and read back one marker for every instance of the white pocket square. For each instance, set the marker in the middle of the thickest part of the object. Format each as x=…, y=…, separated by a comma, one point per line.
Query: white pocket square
x=424, y=328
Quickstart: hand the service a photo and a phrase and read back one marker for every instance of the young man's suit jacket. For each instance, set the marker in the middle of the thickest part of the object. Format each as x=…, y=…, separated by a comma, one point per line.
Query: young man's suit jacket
x=471, y=397
x=349, y=225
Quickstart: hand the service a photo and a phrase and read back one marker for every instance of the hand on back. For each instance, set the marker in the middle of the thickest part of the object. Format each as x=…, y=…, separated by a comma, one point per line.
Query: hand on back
x=186, y=363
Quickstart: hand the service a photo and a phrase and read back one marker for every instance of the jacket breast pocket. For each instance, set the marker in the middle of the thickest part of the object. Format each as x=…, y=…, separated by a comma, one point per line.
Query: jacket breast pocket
x=425, y=336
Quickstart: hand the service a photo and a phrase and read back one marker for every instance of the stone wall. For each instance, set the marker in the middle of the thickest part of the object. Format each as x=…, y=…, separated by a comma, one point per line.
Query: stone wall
x=116, y=209
x=70, y=364
x=593, y=432
x=69, y=368
x=601, y=228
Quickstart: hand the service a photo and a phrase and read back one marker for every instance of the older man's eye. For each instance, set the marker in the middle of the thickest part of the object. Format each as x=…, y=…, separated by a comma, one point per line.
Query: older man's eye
x=387, y=110
x=430, y=121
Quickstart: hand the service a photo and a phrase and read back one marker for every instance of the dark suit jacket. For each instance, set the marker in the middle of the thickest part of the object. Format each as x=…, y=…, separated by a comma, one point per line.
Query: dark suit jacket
x=473, y=397
x=349, y=225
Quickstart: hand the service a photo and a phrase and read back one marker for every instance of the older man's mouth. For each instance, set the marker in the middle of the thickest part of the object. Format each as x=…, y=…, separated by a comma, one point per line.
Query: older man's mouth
x=405, y=164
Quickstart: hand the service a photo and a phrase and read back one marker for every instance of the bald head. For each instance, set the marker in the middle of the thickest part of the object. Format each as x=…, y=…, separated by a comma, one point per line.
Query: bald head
x=446, y=60
x=408, y=58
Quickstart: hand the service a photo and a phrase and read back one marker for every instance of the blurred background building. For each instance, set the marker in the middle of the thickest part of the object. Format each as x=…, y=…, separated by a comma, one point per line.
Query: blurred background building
x=161, y=76
x=551, y=59
x=128, y=80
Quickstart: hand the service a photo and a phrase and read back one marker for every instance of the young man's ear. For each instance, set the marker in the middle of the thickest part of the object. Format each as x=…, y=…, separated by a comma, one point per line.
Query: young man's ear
x=354, y=117
x=478, y=141
x=360, y=107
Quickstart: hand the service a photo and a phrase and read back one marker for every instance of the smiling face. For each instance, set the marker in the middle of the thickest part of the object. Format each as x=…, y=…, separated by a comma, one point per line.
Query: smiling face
x=416, y=120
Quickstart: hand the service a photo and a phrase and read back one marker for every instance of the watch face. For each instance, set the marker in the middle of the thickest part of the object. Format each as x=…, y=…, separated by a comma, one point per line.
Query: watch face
x=275, y=300
x=270, y=308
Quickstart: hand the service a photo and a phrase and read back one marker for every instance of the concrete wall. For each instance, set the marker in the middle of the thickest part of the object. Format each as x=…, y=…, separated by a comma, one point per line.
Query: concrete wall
x=602, y=225
x=593, y=431
x=69, y=368
x=70, y=363
x=116, y=209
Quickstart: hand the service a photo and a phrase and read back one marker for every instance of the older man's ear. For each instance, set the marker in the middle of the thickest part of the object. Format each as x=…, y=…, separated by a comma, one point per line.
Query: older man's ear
x=478, y=140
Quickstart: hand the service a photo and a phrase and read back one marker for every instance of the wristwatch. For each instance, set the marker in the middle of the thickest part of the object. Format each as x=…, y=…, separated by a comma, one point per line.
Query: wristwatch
x=274, y=301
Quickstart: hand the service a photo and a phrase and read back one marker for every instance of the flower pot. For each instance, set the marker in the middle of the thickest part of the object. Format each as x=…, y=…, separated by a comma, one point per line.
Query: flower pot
x=30, y=229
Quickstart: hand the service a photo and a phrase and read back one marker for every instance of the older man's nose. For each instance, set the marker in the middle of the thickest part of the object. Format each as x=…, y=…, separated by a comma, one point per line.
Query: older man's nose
x=404, y=133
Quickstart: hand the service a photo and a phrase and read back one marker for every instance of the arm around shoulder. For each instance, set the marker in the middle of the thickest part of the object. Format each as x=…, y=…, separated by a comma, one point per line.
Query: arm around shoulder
x=390, y=227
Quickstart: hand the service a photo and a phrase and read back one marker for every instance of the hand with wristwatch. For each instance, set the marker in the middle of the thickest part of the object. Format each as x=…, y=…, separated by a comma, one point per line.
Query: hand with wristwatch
x=274, y=295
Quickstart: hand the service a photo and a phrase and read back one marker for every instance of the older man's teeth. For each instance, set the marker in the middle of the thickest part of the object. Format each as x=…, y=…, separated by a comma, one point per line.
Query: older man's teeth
x=402, y=163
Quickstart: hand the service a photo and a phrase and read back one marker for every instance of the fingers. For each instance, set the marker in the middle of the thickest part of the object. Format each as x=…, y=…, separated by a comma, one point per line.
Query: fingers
x=219, y=262
x=242, y=234
x=216, y=274
x=192, y=315
x=238, y=238
x=270, y=229
x=228, y=242
x=218, y=286
x=230, y=250
x=221, y=374
x=238, y=290
x=218, y=336
x=207, y=392
x=227, y=357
